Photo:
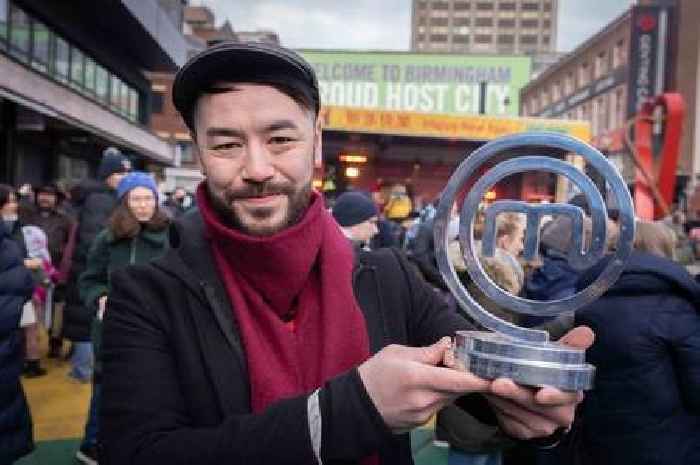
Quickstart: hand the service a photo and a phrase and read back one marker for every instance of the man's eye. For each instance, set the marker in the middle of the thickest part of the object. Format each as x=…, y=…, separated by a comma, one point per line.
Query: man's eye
x=227, y=146
x=281, y=140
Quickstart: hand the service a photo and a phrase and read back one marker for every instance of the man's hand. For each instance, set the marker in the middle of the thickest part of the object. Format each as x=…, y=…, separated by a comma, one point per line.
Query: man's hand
x=526, y=413
x=407, y=387
x=32, y=263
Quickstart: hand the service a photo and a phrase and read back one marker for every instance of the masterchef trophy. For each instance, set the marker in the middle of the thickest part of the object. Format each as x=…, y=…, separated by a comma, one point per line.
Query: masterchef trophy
x=506, y=350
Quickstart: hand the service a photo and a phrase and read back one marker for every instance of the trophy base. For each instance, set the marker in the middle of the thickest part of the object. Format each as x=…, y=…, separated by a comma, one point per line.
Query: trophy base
x=491, y=355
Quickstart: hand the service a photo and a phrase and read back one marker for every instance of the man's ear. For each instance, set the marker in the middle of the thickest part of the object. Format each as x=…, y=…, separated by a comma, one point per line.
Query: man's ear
x=318, y=144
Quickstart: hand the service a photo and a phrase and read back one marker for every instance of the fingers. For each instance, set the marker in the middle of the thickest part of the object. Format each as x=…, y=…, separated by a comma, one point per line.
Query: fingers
x=430, y=355
x=449, y=381
x=521, y=422
x=549, y=403
x=581, y=337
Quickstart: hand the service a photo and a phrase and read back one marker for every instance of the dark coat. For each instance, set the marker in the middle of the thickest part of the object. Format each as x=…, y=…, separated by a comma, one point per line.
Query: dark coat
x=175, y=383
x=645, y=408
x=93, y=207
x=16, y=287
x=57, y=227
x=554, y=280
x=106, y=256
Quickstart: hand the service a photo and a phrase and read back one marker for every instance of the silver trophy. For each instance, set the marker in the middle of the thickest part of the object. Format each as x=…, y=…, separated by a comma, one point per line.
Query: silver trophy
x=507, y=350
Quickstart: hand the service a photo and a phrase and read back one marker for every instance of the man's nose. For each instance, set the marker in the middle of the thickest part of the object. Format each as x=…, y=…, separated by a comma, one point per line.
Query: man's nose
x=258, y=163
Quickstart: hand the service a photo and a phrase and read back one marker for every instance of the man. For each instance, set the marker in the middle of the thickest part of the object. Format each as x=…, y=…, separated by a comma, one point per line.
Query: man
x=259, y=337
x=58, y=228
x=357, y=216
x=510, y=235
x=175, y=205
x=93, y=207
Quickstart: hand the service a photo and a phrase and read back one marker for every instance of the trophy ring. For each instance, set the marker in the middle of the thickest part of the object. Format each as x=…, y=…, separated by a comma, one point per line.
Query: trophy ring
x=508, y=351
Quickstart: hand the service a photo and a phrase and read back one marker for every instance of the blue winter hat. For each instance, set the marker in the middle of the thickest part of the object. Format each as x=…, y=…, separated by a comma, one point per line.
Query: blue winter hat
x=136, y=179
x=113, y=161
x=353, y=208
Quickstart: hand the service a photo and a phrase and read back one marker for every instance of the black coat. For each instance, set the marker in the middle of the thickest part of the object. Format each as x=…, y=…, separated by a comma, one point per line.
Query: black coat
x=93, y=209
x=175, y=385
x=645, y=408
x=16, y=287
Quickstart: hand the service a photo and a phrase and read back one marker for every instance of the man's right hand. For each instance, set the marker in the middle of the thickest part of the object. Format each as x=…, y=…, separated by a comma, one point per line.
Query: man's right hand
x=407, y=386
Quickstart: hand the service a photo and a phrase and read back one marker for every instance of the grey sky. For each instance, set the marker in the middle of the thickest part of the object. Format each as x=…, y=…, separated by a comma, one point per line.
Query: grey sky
x=379, y=24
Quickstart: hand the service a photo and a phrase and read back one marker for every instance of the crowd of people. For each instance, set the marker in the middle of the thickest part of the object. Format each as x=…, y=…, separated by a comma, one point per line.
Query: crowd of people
x=68, y=243
x=271, y=325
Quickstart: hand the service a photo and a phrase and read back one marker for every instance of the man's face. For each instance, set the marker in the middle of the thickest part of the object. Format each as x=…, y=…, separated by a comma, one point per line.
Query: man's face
x=365, y=231
x=179, y=194
x=46, y=200
x=257, y=148
x=514, y=243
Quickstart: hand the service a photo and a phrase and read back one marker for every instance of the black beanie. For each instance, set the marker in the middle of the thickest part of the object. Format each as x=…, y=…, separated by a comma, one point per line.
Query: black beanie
x=353, y=208
x=113, y=161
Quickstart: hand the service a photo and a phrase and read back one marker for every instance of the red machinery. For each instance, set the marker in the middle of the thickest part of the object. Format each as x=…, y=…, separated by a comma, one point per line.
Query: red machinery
x=656, y=173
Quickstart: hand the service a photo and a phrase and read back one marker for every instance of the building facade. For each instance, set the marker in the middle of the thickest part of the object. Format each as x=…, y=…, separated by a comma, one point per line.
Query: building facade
x=487, y=26
x=72, y=82
x=650, y=49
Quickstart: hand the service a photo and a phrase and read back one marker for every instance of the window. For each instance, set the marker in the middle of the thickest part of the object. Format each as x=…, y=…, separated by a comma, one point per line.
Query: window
x=124, y=101
x=461, y=6
x=77, y=64
x=506, y=6
x=133, y=105
x=438, y=37
x=529, y=23
x=530, y=6
x=458, y=22
x=90, y=75
x=61, y=59
x=438, y=21
x=620, y=53
x=3, y=22
x=547, y=23
x=569, y=84
x=422, y=5
x=116, y=87
x=601, y=65
x=528, y=39
x=157, y=101
x=483, y=39
x=460, y=39
x=420, y=37
x=421, y=21
x=186, y=154
x=545, y=40
x=506, y=23
x=506, y=39
x=584, y=75
x=440, y=6
x=484, y=22
x=556, y=91
x=20, y=32
x=547, y=6
x=41, y=44
x=484, y=6
x=102, y=83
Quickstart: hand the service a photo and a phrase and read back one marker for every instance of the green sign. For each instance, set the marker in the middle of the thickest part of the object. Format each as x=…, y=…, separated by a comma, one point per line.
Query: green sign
x=428, y=83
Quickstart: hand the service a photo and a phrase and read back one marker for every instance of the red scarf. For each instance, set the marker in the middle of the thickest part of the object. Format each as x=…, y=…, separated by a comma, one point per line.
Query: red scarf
x=293, y=299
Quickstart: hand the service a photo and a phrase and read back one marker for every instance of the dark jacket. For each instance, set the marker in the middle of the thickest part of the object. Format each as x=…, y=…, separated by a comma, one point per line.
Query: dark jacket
x=106, y=256
x=554, y=280
x=422, y=254
x=94, y=206
x=16, y=287
x=175, y=386
x=645, y=408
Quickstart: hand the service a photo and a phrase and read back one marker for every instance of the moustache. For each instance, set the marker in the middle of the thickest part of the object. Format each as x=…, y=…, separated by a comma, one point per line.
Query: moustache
x=259, y=190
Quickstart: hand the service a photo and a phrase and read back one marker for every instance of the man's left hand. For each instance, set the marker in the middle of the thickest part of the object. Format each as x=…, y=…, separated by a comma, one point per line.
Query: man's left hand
x=527, y=413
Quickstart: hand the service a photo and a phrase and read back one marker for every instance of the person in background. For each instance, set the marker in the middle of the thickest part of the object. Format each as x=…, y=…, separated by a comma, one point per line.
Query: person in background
x=59, y=230
x=645, y=407
x=135, y=234
x=176, y=203
x=9, y=212
x=357, y=216
x=510, y=234
x=97, y=200
x=16, y=285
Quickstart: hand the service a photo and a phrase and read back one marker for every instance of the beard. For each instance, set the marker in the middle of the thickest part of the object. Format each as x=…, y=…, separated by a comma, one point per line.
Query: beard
x=297, y=201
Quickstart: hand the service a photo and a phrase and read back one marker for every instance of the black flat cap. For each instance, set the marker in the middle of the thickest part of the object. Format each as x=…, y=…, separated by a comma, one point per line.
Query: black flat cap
x=243, y=62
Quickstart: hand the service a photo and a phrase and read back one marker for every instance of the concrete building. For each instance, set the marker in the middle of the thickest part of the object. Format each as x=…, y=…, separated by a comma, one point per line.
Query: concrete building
x=652, y=48
x=489, y=26
x=72, y=82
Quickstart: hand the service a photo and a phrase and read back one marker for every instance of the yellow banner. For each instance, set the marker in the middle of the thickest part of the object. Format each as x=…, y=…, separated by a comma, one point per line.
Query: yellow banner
x=470, y=127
